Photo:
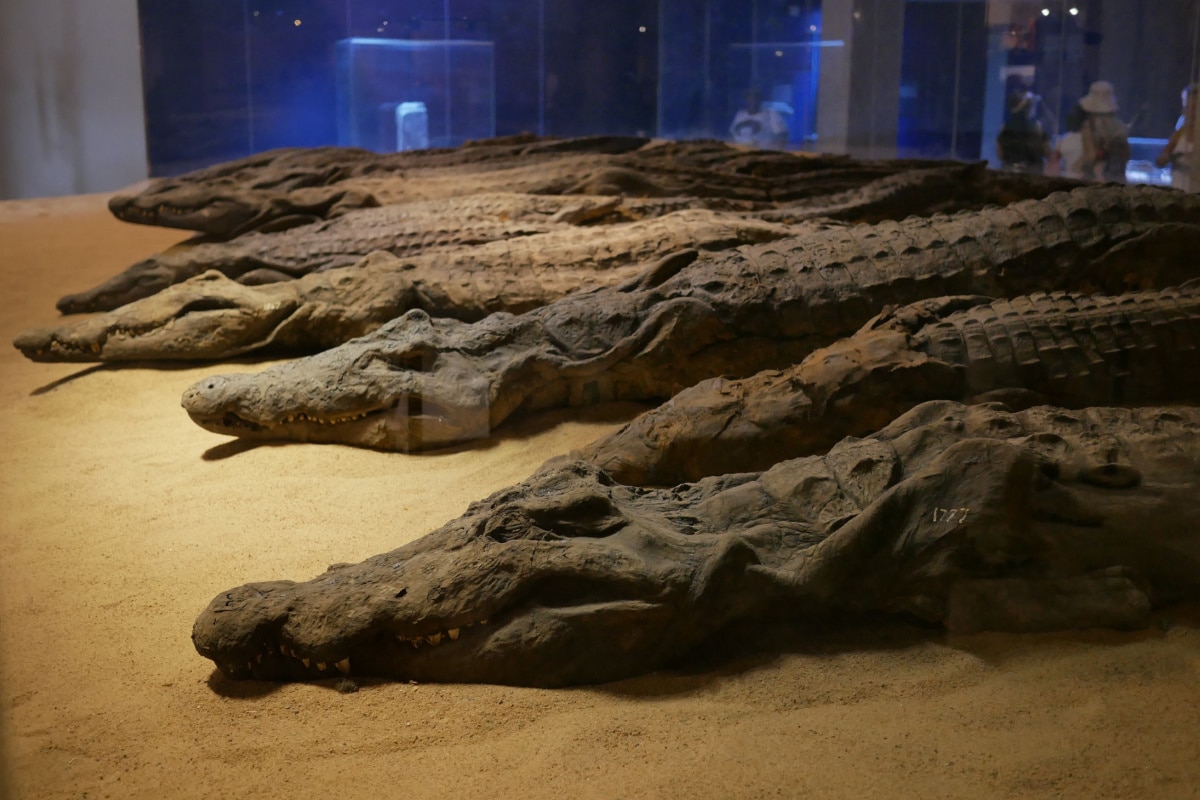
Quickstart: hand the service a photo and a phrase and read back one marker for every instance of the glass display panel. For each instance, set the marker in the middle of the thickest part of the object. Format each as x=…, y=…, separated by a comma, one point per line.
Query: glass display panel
x=872, y=78
x=405, y=94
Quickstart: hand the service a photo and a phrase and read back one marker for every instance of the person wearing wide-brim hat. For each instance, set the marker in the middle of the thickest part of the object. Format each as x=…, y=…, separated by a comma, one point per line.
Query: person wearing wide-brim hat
x=1105, y=136
x=1100, y=99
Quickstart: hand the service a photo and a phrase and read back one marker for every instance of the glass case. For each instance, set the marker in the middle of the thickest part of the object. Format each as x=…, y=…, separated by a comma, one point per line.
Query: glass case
x=395, y=94
x=871, y=78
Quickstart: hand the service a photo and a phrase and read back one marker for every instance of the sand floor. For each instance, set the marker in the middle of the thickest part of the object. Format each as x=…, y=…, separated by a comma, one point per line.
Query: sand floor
x=120, y=520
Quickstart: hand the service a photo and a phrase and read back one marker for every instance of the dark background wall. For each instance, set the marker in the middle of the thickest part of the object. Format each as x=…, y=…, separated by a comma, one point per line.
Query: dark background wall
x=224, y=78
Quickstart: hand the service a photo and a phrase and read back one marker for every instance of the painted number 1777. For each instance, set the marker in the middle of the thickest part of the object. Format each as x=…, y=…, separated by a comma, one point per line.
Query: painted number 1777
x=950, y=516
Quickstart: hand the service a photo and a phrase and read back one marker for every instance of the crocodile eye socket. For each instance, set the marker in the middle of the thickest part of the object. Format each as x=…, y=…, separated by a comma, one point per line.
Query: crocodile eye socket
x=1048, y=471
x=1113, y=476
x=205, y=304
x=407, y=361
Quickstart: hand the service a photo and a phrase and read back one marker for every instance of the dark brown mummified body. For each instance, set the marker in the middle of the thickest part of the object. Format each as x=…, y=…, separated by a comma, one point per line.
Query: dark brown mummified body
x=974, y=518
x=1068, y=350
x=459, y=222
x=212, y=316
x=403, y=230
x=295, y=186
x=420, y=382
x=290, y=187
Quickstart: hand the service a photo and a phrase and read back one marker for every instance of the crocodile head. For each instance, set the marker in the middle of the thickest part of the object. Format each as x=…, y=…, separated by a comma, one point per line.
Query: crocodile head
x=146, y=277
x=552, y=582
x=969, y=516
x=207, y=317
x=172, y=203
x=272, y=190
x=225, y=213
x=399, y=388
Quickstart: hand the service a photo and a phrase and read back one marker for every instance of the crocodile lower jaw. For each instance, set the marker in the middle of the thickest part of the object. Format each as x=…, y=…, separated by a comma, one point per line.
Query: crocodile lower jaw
x=314, y=419
x=164, y=214
x=58, y=351
x=233, y=423
x=124, y=342
x=392, y=427
x=280, y=661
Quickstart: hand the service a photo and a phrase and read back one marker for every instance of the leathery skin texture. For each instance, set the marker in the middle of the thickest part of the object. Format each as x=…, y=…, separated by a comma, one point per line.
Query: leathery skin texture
x=419, y=383
x=968, y=517
x=1071, y=350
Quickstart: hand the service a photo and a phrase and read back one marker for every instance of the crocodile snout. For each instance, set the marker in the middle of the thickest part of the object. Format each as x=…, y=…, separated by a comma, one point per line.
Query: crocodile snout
x=213, y=397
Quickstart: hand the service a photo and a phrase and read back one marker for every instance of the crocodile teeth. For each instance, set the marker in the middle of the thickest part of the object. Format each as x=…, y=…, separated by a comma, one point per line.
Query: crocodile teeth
x=321, y=666
x=307, y=418
x=305, y=662
x=437, y=638
x=343, y=666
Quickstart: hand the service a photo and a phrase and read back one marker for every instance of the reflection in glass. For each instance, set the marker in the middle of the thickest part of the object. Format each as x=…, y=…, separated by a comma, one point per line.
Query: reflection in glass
x=395, y=94
x=876, y=78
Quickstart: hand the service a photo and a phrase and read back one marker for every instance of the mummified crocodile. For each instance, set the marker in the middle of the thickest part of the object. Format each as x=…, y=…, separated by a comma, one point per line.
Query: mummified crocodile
x=1069, y=350
x=403, y=230
x=291, y=186
x=212, y=317
x=294, y=187
x=973, y=518
x=260, y=257
x=946, y=188
x=418, y=383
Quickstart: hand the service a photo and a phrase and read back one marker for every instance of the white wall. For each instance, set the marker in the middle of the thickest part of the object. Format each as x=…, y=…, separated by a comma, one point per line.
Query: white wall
x=71, y=113
x=858, y=95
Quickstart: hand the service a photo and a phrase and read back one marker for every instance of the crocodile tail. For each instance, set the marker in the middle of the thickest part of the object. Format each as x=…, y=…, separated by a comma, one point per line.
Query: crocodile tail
x=1077, y=350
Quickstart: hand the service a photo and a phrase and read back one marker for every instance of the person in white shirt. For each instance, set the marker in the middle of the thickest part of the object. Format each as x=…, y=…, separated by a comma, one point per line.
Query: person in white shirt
x=1178, y=151
x=1067, y=157
x=759, y=124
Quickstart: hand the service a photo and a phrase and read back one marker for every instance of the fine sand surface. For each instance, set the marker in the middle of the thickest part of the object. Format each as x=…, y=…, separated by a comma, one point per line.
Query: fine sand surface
x=120, y=520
